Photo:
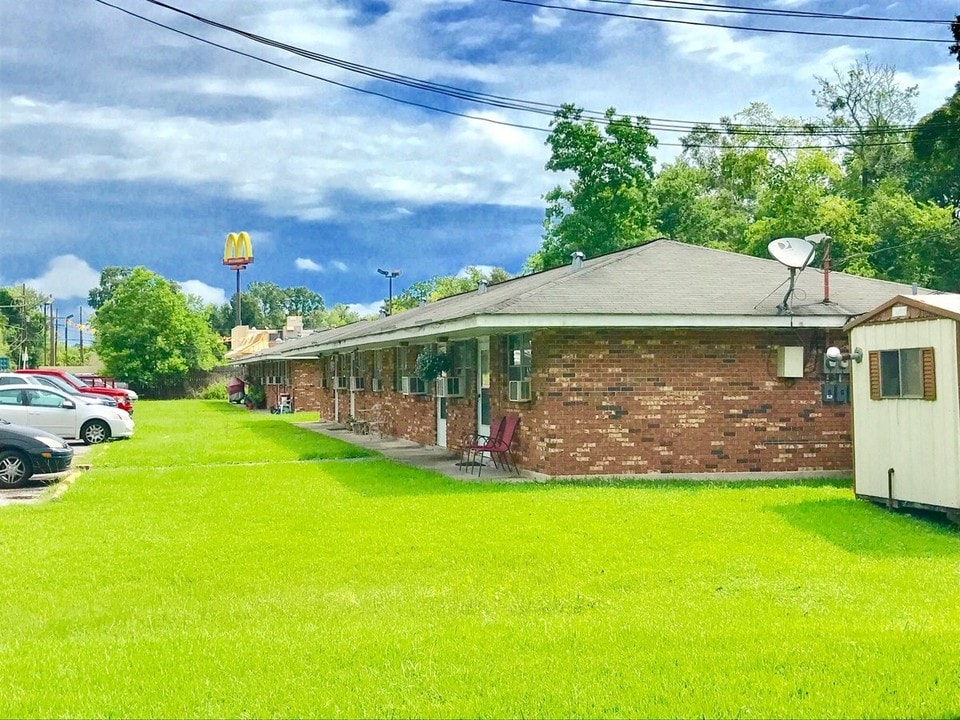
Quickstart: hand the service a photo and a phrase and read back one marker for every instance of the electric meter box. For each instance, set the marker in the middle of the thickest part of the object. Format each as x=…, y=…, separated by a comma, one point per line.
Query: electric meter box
x=789, y=362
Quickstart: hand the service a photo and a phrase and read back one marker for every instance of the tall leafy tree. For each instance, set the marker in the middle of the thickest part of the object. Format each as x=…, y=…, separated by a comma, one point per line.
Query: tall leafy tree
x=110, y=277
x=442, y=286
x=936, y=147
x=22, y=324
x=270, y=299
x=148, y=334
x=955, y=29
x=872, y=113
x=336, y=316
x=224, y=317
x=301, y=301
x=608, y=203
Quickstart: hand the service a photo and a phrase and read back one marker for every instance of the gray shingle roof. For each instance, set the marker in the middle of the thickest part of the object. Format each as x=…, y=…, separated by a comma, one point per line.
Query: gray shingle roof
x=662, y=283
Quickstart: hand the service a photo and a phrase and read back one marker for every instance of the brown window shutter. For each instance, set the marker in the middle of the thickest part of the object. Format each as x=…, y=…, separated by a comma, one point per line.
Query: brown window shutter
x=874, y=361
x=929, y=375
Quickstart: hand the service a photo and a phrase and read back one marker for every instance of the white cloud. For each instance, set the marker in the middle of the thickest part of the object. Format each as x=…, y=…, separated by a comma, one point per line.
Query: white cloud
x=338, y=265
x=366, y=309
x=209, y=294
x=309, y=265
x=66, y=276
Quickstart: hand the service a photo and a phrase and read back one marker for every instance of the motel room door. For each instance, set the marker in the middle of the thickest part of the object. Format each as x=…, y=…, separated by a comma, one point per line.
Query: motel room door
x=483, y=386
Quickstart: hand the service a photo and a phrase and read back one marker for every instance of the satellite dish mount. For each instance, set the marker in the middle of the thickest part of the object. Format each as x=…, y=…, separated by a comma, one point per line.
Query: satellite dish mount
x=796, y=254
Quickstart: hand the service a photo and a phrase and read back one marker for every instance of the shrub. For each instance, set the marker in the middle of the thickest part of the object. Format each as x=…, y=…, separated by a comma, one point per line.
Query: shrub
x=217, y=391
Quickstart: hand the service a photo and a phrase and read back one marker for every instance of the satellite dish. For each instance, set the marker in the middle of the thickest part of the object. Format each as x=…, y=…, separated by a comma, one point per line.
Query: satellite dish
x=793, y=252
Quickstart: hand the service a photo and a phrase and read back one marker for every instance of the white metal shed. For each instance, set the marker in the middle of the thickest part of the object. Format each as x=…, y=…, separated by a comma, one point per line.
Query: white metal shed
x=906, y=402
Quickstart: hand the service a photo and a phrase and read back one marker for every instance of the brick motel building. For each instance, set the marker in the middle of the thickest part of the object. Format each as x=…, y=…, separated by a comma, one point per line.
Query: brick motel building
x=666, y=358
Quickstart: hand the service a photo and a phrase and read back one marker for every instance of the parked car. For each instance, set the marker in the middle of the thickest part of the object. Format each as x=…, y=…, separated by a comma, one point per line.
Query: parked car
x=9, y=378
x=72, y=417
x=124, y=398
x=27, y=451
x=106, y=381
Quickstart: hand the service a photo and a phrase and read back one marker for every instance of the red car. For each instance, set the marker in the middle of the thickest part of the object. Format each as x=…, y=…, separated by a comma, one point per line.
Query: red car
x=124, y=398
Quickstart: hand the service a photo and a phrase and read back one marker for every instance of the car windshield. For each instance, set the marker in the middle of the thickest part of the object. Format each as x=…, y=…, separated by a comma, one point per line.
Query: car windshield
x=75, y=380
x=55, y=382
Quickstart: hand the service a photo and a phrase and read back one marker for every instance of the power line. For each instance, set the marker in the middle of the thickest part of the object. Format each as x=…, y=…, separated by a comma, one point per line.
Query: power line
x=676, y=21
x=775, y=12
x=502, y=102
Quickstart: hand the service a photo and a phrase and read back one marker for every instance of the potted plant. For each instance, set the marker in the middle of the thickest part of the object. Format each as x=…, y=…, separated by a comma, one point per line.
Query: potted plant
x=432, y=364
x=256, y=398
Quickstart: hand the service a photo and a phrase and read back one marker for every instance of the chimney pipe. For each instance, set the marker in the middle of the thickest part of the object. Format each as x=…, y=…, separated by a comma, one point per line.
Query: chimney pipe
x=481, y=287
x=577, y=259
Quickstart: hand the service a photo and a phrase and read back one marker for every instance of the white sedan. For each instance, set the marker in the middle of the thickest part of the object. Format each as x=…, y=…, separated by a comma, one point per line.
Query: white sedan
x=65, y=415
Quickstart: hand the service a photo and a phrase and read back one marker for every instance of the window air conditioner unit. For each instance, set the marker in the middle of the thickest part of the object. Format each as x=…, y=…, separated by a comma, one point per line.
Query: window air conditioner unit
x=340, y=382
x=376, y=385
x=449, y=386
x=519, y=390
x=357, y=383
x=412, y=385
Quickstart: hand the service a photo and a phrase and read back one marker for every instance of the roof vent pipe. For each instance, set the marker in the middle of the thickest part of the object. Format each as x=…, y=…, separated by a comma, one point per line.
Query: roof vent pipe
x=481, y=287
x=577, y=259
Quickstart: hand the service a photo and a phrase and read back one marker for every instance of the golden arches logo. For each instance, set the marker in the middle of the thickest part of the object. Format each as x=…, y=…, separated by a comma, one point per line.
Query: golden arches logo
x=238, y=252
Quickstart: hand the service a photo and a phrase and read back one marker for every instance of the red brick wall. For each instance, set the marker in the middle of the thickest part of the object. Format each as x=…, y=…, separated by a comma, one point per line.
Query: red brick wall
x=614, y=402
x=634, y=401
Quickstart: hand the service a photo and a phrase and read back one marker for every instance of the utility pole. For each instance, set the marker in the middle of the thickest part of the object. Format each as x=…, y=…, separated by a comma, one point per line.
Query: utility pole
x=80, y=327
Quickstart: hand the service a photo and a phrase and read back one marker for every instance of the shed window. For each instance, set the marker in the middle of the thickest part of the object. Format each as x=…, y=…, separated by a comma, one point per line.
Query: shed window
x=903, y=373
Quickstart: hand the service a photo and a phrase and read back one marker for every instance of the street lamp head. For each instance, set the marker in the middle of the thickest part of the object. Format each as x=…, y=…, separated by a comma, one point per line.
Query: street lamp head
x=389, y=273
x=68, y=316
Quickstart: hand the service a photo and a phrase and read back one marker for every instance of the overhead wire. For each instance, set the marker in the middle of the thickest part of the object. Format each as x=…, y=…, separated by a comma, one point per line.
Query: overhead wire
x=805, y=130
x=775, y=12
x=748, y=28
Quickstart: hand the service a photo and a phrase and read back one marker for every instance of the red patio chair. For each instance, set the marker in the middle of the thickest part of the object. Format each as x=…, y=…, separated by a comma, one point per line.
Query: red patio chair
x=498, y=446
x=501, y=452
x=473, y=447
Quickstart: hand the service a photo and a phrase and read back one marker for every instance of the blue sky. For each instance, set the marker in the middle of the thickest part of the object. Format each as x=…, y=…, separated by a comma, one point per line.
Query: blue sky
x=123, y=143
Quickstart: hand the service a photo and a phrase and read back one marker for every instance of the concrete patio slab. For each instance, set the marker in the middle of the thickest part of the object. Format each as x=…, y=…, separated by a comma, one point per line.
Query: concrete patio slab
x=426, y=457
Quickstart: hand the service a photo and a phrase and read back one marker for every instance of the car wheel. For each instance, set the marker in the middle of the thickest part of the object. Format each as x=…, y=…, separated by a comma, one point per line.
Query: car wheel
x=14, y=469
x=95, y=431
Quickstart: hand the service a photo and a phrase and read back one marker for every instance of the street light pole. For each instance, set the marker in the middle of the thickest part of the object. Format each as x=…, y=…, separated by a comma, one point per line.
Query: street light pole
x=389, y=275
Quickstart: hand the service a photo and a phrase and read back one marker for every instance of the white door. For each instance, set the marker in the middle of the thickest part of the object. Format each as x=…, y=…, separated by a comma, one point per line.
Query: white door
x=441, y=421
x=483, y=386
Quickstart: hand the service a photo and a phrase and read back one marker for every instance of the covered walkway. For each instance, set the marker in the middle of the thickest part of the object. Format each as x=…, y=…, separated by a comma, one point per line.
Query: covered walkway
x=426, y=457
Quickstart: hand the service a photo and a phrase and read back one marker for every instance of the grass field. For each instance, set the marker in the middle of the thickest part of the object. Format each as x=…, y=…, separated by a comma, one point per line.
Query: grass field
x=224, y=564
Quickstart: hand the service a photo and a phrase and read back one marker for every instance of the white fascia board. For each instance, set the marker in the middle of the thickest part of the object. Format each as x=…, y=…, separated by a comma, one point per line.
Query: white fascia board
x=493, y=324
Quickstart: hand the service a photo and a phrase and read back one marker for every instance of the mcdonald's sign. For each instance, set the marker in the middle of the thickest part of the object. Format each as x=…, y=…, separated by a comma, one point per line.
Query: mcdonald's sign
x=238, y=252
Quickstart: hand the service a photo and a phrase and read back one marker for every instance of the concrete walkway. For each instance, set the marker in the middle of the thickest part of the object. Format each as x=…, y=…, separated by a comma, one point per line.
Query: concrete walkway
x=426, y=457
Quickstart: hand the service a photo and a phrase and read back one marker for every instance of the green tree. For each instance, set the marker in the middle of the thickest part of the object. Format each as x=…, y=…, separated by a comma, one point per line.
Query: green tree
x=270, y=299
x=301, y=301
x=336, y=316
x=936, y=147
x=608, y=204
x=110, y=277
x=148, y=335
x=23, y=325
x=955, y=29
x=915, y=241
x=871, y=112
x=224, y=317
x=442, y=286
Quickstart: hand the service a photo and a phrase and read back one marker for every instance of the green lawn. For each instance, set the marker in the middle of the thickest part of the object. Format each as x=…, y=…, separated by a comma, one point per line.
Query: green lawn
x=227, y=563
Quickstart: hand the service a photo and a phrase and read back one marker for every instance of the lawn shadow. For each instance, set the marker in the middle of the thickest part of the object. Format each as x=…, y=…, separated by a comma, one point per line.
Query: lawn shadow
x=862, y=528
x=385, y=477
x=306, y=444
